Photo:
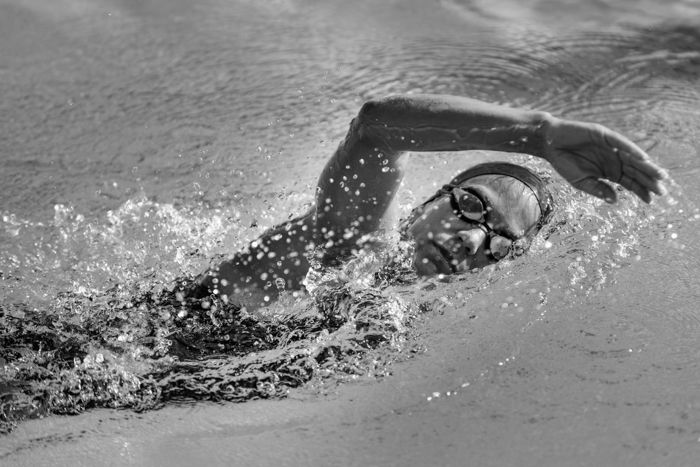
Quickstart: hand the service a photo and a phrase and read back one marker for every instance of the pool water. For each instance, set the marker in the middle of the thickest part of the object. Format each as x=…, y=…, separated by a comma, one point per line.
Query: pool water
x=141, y=139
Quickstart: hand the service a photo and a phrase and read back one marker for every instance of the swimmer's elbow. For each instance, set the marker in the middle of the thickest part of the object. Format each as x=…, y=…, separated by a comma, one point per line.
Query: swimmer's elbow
x=376, y=116
x=380, y=110
x=367, y=116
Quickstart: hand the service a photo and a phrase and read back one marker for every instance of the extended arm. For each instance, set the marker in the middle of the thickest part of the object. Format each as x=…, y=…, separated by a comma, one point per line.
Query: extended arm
x=360, y=180
x=358, y=183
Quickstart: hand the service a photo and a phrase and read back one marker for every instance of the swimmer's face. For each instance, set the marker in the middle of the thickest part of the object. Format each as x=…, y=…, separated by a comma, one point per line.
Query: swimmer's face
x=447, y=243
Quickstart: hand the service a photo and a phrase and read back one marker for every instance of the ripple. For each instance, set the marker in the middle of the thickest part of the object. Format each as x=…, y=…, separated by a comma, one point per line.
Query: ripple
x=127, y=116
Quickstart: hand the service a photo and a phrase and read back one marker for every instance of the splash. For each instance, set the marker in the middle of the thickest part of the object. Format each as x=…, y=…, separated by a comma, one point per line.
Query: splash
x=127, y=349
x=139, y=344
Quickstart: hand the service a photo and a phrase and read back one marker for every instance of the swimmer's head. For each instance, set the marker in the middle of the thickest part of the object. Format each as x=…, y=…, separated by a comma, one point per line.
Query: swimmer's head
x=484, y=214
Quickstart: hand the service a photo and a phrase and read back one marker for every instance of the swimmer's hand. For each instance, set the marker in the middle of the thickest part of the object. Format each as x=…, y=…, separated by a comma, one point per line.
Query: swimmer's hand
x=587, y=154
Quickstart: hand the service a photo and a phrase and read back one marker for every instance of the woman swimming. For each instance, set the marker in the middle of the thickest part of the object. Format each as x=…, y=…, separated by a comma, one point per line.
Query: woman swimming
x=481, y=216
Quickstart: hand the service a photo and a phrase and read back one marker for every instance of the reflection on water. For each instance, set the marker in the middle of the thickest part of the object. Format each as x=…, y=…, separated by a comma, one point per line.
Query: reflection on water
x=140, y=140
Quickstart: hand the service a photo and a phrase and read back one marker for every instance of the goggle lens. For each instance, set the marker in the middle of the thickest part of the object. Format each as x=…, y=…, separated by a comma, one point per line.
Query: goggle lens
x=470, y=206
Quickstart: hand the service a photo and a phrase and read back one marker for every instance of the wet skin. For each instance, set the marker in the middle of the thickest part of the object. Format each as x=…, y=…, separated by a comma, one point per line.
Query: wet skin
x=447, y=243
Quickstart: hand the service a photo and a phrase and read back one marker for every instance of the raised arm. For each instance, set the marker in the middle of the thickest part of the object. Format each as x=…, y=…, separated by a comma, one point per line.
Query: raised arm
x=358, y=183
x=360, y=180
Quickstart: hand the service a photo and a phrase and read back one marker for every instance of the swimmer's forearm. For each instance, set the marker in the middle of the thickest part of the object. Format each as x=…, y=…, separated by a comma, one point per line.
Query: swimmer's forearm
x=450, y=123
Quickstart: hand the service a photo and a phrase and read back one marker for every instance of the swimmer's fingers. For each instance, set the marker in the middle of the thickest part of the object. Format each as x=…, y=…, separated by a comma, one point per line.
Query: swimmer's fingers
x=651, y=183
x=635, y=164
x=644, y=172
x=614, y=157
x=636, y=188
x=586, y=175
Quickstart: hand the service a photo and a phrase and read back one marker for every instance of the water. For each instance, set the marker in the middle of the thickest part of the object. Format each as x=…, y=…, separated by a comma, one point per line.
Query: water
x=140, y=139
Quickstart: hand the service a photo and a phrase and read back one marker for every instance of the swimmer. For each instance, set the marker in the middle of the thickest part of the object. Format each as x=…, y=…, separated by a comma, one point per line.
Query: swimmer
x=483, y=215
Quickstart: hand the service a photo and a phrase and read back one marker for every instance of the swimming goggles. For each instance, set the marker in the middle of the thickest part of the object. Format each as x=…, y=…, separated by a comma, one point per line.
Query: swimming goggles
x=471, y=207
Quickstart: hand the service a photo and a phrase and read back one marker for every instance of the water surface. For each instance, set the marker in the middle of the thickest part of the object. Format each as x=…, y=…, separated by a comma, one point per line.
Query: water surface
x=140, y=139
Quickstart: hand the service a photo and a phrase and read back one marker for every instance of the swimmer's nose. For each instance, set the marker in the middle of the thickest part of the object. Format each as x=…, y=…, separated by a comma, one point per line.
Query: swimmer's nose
x=472, y=240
